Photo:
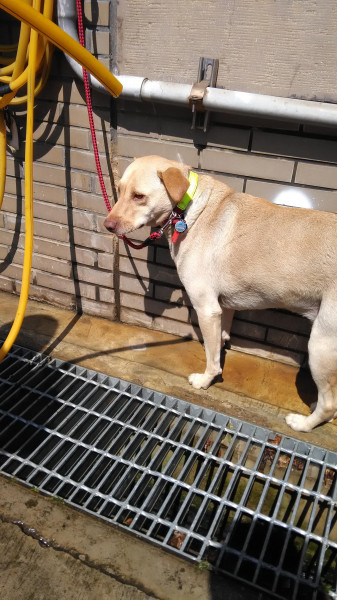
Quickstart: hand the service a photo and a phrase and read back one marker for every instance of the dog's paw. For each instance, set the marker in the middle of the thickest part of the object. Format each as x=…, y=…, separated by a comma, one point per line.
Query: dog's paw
x=298, y=422
x=200, y=380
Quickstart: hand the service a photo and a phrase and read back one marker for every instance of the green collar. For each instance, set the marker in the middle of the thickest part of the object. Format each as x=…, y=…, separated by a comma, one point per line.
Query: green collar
x=193, y=179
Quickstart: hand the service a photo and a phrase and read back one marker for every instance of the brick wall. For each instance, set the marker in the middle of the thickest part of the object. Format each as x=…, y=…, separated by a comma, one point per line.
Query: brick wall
x=78, y=265
x=74, y=257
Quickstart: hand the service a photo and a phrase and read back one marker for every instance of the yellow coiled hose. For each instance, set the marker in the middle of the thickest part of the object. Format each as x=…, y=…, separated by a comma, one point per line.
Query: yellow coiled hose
x=32, y=56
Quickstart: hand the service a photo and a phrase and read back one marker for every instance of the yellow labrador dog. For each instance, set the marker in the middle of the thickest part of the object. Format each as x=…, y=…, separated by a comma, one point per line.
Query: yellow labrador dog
x=237, y=253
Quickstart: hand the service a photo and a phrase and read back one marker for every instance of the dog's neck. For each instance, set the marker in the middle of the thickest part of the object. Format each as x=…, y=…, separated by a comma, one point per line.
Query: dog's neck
x=193, y=210
x=199, y=202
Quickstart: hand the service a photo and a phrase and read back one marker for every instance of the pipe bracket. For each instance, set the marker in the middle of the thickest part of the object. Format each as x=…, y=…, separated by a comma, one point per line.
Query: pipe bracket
x=207, y=77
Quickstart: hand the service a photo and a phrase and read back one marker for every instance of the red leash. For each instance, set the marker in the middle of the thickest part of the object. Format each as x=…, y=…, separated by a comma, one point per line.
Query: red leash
x=176, y=215
x=89, y=106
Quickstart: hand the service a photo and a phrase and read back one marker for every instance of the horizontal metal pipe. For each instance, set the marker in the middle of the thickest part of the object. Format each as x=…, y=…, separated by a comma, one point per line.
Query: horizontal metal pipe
x=166, y=92
x=270, y=107
x=215, y=99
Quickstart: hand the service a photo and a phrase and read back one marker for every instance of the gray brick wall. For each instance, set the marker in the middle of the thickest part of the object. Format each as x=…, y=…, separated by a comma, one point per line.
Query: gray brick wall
x=78, y=265
x=70, y=266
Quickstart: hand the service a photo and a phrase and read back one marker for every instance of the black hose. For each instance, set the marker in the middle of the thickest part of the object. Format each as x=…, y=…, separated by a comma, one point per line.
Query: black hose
x=4, y=89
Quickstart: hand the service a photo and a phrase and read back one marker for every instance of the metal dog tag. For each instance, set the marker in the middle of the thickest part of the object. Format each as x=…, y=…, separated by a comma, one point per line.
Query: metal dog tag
x=180, y=226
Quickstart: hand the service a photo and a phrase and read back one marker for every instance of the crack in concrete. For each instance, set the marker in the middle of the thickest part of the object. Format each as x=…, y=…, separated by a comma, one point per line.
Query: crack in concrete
x=83, y=558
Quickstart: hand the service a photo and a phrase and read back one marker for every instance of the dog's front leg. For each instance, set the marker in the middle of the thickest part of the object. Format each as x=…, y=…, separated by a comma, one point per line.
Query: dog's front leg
x=210, y=325
x=226, y=324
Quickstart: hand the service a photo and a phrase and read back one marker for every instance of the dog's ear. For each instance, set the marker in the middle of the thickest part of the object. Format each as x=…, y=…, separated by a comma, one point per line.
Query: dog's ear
x=175, y=182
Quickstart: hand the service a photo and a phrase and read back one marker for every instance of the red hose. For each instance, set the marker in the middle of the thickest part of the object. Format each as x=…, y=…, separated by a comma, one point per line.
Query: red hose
x=89, y=107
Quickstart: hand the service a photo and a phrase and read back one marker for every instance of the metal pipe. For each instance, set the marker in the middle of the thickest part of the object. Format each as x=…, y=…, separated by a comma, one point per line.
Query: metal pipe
x=215, y=99
x=271, y=107
x=67, y=19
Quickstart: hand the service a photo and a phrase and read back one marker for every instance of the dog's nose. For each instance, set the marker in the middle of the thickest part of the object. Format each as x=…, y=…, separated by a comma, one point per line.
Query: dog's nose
x=110, y=224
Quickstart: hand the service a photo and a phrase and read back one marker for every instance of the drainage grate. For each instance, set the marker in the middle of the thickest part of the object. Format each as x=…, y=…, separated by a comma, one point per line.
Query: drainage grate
x=237, y=497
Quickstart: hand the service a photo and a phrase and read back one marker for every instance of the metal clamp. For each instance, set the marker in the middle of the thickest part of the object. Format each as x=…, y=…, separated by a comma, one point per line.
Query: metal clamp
x=207, y=77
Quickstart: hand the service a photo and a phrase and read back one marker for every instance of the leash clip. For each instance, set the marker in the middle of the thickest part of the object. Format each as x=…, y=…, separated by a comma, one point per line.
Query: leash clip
x=167, y=224
x=174, y=216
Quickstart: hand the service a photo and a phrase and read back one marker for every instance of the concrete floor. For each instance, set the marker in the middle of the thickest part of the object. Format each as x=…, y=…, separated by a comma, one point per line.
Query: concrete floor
x=50, y=551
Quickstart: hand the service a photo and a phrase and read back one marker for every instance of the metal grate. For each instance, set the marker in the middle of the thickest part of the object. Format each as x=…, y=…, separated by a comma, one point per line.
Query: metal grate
x=239, y=498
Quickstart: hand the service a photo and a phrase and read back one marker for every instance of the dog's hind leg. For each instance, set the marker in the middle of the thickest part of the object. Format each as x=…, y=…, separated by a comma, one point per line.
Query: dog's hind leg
x=323, y=365
x=226, y=323
x=209, y=316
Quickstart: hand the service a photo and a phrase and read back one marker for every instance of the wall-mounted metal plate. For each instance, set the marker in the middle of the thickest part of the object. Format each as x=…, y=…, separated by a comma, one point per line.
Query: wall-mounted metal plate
x=207, y=77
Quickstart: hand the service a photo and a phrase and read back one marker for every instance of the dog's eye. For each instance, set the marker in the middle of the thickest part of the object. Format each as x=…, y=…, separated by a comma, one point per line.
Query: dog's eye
x=138, y=196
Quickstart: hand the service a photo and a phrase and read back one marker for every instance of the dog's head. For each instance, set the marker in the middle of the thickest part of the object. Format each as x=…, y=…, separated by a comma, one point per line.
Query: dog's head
x=147, y=193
